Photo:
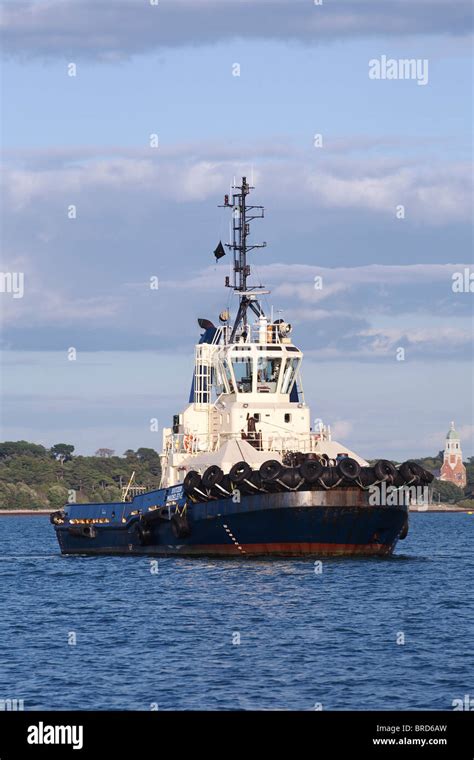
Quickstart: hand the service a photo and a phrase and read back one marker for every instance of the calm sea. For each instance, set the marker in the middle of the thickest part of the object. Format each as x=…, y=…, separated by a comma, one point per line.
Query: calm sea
x=238, y=634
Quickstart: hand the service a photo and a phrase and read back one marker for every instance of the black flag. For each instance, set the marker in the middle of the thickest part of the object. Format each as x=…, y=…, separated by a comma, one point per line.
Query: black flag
x=219, y=252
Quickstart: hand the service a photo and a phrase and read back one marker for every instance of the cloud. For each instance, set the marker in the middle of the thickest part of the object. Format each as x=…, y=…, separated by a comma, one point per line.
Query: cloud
x=340, y=429
x=446, y=339
x=351, y=321
x=433, y=195
x=43, y=303
x=87, y=281
x=112, y=31
x=465, y=432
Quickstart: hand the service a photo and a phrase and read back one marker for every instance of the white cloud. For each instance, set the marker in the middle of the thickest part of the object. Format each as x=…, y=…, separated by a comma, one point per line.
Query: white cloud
x=385, y=342
x=340, y=429
x=430, y=195
x=43, y=303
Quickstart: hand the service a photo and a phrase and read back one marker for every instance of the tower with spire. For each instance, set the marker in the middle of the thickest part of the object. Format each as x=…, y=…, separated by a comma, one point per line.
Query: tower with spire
x=453, y=469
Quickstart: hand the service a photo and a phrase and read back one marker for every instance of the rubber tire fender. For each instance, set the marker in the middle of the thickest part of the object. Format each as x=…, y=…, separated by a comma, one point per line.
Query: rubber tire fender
x=291, y=477
x=212, y=475
x=311, y=470
x=367, y=476
x=411, y=471
x=348, y=468
x=239, y=472
x=271, y=470
x=330, y=477
x=385, y=469
x=180, y=526
x=191, y=481
x=404, y=530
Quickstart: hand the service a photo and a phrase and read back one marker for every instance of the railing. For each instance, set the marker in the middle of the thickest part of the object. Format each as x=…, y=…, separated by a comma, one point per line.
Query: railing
x=193, y=444
x=129, y=492
x=265, y=334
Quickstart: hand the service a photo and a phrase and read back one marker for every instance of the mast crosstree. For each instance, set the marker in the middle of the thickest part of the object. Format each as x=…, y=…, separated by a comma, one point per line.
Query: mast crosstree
x=242, y=215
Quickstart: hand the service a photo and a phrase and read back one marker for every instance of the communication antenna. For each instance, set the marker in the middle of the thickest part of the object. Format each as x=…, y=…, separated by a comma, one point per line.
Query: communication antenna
x=242, y=215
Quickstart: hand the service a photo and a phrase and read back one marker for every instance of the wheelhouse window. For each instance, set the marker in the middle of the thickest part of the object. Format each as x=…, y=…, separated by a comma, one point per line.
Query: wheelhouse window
x=242, y=367
x=268, y=372
x=289, y=375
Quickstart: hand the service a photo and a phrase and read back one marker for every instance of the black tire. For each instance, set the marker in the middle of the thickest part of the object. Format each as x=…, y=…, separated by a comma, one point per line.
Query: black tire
x=330, y=477
x=412, y=472
x=367, y=476
x=311, y=470
x=144, y=533
x=419, y=471
x=239, y=472
x=191, y=481
x=252, y=484
x=271, y=471
x=348, y=468
x=404, y=530
x=149, y=518
x=291, y=477
x=406, y=472
x=180, y=526
x=385, y=469
x=399, y=480
x=256, y=480
x=224, y=488
x=212, y=476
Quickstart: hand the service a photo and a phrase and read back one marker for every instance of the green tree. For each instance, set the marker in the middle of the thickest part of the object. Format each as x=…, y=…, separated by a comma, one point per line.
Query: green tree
x=49, y=478
x=62, y=451
x=445, y=491
x=147, y=455
x=151, y=458
x=16, y=448
x=57, y=496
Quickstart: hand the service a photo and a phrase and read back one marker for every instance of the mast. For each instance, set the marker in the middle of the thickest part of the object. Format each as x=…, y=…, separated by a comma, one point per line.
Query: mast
x=242, y=215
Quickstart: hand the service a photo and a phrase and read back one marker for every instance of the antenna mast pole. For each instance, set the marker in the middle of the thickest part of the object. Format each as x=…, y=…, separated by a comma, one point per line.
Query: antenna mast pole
x=242, y=215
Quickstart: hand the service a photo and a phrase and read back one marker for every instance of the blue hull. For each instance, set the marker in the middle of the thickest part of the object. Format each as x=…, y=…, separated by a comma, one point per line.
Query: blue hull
x=290, y=524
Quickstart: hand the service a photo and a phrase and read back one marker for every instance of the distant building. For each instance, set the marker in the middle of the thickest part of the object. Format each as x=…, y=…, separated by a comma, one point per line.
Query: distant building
x=453, y=469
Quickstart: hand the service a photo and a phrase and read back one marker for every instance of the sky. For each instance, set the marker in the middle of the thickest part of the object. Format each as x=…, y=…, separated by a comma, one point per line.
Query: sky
x=379, y=206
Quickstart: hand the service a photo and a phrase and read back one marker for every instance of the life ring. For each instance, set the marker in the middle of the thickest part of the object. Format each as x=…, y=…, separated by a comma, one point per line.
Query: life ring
x=188, y=442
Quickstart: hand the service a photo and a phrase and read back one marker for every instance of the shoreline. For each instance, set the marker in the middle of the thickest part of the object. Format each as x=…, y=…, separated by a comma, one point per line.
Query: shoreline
x=432, y=508
x=443, y=508
x=26, y=512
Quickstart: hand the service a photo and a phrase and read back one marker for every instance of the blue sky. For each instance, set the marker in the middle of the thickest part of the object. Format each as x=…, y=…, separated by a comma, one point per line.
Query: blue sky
x=143, y=211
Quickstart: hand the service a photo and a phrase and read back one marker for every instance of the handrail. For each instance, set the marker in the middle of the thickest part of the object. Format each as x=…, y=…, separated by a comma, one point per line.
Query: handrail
x=194, y=444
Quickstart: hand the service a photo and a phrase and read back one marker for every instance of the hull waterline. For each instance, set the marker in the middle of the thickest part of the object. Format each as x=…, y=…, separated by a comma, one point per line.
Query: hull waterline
x=318, y=524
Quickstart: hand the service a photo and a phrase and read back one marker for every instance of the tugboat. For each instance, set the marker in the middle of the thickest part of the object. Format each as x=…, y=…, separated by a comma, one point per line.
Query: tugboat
x=243, y=473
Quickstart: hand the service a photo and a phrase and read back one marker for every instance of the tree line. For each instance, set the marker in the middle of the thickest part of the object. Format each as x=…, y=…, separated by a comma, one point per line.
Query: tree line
x=33, y=476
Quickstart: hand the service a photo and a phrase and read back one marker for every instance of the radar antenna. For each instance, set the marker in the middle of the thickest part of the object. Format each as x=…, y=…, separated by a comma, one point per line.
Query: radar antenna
x=242, y=215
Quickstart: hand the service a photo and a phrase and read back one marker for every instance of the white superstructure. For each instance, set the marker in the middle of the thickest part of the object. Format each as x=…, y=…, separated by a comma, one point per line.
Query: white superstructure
x=247, y=395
